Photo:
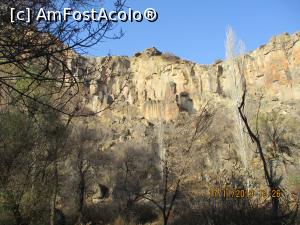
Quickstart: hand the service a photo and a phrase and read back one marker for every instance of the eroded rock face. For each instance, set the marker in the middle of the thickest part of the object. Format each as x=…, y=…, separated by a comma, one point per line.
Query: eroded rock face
x=161, y=85
x=152, y=88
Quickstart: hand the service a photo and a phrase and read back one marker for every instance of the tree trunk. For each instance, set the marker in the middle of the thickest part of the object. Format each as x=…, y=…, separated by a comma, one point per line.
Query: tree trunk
x=166, y=220
x=81, y=192
x=268, y=174
x=17, y=215
x=54, y=196
x=275, y=208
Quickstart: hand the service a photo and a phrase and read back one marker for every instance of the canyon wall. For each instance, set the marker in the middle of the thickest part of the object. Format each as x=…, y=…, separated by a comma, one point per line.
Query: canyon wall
x=161, y=84
x=153, y=88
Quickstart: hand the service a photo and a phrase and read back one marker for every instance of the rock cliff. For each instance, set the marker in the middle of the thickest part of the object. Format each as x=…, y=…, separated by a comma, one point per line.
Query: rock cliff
x=161, y=84
x=152, y=88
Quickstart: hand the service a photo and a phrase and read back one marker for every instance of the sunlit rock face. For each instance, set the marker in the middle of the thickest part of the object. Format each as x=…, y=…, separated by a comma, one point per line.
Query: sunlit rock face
x=161, y=85
x=151, y=87
x=152, y=91
x=275, y=67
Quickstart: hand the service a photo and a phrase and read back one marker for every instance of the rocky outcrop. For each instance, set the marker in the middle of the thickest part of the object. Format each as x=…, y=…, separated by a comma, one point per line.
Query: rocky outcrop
x=154, y=93
x=160, y=85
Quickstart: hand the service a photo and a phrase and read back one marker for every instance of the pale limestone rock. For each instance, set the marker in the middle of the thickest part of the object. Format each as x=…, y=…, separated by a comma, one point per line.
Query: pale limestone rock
x=156, y=81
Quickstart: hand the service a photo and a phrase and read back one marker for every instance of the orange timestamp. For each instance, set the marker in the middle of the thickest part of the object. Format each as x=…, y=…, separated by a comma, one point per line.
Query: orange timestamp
x=243, y=193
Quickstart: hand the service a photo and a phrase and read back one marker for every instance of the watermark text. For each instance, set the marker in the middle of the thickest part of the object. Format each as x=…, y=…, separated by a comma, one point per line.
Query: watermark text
x=92, y=15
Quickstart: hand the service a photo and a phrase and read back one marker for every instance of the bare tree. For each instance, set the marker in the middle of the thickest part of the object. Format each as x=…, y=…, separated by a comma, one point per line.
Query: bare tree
x=180, y=156
x=58, y=154
x=173, y=170
x=37, y=59
x=137, y=172
x=276, y=143
x=30, y=151
x=85, y=142
x=15, y=165
x=278, y=146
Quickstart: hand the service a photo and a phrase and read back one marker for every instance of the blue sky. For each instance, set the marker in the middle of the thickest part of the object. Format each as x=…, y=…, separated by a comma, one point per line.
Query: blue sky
x=195, y=29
